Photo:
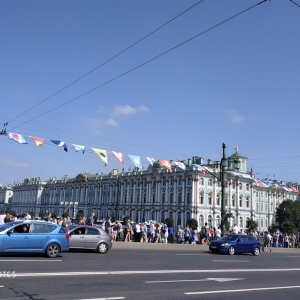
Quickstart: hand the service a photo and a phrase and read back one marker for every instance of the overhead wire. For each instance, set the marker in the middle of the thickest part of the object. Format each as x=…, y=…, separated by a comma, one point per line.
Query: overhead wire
x=108, y=60
x=295, y=3
x=143, y=64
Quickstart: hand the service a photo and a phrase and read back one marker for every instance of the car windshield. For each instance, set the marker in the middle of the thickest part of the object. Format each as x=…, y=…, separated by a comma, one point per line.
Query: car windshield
x=230, y=237
x=8, y=225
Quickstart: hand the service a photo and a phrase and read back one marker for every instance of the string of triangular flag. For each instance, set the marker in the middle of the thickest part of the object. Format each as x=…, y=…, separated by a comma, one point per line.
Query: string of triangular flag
x=101, y=153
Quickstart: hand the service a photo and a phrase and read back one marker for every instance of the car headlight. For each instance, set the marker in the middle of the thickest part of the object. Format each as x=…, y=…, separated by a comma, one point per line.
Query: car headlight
x=225, y=244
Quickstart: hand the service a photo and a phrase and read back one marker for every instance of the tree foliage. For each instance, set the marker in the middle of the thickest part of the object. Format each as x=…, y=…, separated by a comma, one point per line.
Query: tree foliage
x=192, y=223
x=251, y=225
x=169, y=222
x=289, y=211
x=125, y=219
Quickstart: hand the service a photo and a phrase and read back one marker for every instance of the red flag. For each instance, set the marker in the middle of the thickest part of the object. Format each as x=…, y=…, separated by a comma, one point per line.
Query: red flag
x=166, y=164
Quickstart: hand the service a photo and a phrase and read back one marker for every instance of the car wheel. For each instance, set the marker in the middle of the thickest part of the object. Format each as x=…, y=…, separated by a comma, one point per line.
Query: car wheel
x=231, y=250
x=256, y=251
x=102, y=248
x=52, y=250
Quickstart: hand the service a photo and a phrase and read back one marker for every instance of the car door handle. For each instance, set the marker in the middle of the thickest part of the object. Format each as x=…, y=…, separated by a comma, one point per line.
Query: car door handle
x=82, y=237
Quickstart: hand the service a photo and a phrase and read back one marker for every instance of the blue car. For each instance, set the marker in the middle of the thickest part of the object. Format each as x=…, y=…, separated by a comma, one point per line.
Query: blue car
x=236, y=243
x=33, y=237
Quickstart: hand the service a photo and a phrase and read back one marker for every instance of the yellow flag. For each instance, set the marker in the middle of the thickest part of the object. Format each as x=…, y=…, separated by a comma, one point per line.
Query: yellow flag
x=102, y=154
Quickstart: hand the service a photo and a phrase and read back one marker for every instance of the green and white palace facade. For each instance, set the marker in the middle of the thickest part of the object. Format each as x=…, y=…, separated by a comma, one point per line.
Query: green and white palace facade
x=156, y=194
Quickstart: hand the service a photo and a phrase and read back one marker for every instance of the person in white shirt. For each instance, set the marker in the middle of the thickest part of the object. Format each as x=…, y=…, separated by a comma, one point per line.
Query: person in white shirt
x=2, y=216
x=235, y=229
x=27, y=216
x=218, y=233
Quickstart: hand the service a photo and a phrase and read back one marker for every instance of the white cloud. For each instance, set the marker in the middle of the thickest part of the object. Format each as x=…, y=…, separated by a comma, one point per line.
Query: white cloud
x=124, y=110
x=235, y=117
x=13, y=163
x=96, y=124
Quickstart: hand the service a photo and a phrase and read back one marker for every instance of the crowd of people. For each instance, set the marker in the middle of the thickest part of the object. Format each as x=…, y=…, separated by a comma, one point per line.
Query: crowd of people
x=162, y=233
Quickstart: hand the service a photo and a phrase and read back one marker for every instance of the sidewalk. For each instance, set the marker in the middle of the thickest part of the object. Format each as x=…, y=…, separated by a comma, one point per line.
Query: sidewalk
x=184, y=247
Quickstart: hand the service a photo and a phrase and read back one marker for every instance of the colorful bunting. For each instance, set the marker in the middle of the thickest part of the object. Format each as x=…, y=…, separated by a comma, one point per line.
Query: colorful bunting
x=79, y=148
x=180, y=165
x=151, y=160
x=102, y=154
x=136, y=160
x=119, y=156
x=17, y=137
x=166, y=164
x=200, y=168
x=39, y=141
x=60, y=144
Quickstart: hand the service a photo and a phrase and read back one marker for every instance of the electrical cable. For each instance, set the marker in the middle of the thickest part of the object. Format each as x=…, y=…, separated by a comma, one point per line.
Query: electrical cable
x=141, y=65
x=107, y=61
x=295, y=3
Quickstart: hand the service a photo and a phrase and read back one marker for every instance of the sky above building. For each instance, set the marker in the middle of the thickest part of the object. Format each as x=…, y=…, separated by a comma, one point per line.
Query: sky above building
x=163, y=79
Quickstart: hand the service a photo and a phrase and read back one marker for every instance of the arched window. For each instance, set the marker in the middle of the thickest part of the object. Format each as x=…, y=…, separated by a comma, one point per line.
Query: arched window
x=267, y=223
x=261, y=223
x=163, y=198
x=247, y=202
x=201, y=197
x=201, y=221
x=171, y=197
x=179, y=218
x=188, y=197
x=179, y=197
x=209, y=182
x=233, y=200
x=188, y=216
x=218, y=221
x=241, y=222
x=201, y=181
x=136, y=216
x=241, y=201
x=218, y=199
x=209, y=220
x=143, y=216
x=171, y=215
x=153, y=197
x=145, y=197
x=153, y=215
x=209, y=197
x=162, y=217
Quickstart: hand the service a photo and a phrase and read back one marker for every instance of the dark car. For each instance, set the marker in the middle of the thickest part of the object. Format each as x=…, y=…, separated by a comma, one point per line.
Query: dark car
x=33, y=237
x=236, y=243
x=89, y=238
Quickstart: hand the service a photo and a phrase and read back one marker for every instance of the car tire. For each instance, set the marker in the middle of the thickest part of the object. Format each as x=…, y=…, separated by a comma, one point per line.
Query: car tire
x=52, y=250
x=231, y=250
x=102, y=248
x=256, y=251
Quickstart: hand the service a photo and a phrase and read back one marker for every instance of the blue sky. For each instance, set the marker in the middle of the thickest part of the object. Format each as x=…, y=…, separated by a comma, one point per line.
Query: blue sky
x=237, y=83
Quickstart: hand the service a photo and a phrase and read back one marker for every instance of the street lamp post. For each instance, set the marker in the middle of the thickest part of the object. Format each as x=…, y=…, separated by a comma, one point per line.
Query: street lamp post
x=223, y=186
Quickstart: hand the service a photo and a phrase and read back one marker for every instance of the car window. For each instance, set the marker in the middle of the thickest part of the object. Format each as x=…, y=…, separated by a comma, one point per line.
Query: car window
x=252, y=238
x=243, y=238
x=51, y=227
x=80, y=230
x=93, y=231
x=23, y=228
x=39, y=228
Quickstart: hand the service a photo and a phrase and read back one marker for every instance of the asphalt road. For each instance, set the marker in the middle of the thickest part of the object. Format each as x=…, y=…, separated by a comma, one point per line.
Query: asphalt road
x=152, y=272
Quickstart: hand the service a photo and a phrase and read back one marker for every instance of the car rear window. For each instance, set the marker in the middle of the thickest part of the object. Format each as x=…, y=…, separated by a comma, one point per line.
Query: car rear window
x=39, y=228
x=51, y=227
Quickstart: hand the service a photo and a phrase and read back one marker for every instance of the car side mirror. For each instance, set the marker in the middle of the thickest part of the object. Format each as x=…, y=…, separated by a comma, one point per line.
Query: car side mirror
x=9, y=232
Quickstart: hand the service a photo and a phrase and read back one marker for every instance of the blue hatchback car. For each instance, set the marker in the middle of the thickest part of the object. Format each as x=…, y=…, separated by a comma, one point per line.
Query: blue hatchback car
x=33, y=237
x=236, y=243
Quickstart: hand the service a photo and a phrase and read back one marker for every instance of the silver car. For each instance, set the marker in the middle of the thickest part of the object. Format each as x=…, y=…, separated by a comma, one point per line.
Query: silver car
x=89, y=238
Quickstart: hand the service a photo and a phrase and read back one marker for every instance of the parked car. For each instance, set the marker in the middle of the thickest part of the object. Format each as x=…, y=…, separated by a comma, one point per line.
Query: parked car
x=236, y=243
x=89, y=238
x=33, y=237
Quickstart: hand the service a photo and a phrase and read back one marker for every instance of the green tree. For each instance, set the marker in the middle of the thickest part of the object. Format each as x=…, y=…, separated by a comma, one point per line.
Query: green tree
x=113, y=218
x=288, y=227
x=251, y=225
x=125, y=219
x=65, y=214
x=226, y=225
x=41, y=214
x=169, y=222
x=192, y=223
x=289, y=210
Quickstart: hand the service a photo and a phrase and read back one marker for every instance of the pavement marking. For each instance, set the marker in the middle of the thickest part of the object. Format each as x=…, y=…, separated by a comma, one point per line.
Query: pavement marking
x=110, y=298
x=1, y=285
x=31, y=260
x=230, y=261
x=245, y=290
x=48, y=274
x=195, y=254
x=192, y=280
